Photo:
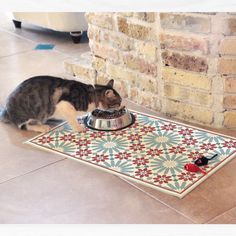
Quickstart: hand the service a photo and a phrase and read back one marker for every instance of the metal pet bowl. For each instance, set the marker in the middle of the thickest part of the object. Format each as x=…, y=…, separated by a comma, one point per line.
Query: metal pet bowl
x=107, y=123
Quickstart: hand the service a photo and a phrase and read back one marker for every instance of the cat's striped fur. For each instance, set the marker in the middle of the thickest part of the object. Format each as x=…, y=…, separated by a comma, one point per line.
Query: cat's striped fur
x=39, y=98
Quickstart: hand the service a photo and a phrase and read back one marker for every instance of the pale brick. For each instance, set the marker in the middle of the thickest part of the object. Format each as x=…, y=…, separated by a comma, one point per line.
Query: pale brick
x=99, y=64
x=140, y=64
x=121, y=42
x=105, y=52
x=186, y=62
x=144, y=83
x=183, y=43
x=122, y=88
x=125, y=14
x=148, y=50
x=188, y=96
x=193, y=80
x=228, y=46
x=227, y=66
x=121, y=73
x=102, y=78
x=133, y=94
x=81, y=69
x=103, y=20
x=230, y=119
x=94, y=33
x=145, y=16
x=189, y=112
x=187, y=23
x=229, y=102
x=136, y=31
x=230, y=85
x=147, y=84
x=149, y=100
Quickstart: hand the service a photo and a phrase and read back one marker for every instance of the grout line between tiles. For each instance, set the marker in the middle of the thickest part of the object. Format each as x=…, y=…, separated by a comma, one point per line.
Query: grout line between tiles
x=14, y=54
x=32, y=171
x=153, y=197
x=35, y=42
x=215, y=217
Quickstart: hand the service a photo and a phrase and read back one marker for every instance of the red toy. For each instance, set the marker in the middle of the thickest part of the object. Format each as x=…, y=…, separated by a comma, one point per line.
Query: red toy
x=193, y=168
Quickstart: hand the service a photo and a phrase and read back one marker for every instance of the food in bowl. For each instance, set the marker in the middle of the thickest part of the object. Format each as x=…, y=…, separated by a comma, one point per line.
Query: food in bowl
x=109, y=114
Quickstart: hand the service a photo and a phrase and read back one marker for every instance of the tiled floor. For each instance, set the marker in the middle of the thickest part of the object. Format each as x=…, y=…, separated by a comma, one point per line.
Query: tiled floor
x=41, y=187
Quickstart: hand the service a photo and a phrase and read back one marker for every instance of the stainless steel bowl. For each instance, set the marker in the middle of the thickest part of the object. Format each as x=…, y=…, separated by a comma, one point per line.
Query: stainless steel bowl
x=105, y=124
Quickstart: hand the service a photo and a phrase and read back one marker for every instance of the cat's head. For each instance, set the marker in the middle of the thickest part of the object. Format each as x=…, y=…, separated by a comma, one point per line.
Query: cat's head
x=107, y=96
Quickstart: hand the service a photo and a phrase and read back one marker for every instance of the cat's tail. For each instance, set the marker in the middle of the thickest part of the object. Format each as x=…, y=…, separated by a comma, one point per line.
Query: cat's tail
x=4, y=117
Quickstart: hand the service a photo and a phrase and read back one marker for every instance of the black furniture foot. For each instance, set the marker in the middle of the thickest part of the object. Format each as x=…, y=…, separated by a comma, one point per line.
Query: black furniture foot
x=17, y=23
x=76, y=36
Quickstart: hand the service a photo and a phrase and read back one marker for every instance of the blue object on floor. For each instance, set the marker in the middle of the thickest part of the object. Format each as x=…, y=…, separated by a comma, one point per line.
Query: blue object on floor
x=44, y=46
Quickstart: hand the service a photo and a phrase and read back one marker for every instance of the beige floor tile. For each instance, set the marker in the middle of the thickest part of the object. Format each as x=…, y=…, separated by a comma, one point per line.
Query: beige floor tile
x=13, y=44
x=17, y=158
x=70, y=192
x=229, y=217
x=15, y=69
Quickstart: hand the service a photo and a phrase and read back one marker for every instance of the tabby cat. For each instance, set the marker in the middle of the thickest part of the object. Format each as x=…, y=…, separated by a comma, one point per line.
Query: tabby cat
x=41, y=98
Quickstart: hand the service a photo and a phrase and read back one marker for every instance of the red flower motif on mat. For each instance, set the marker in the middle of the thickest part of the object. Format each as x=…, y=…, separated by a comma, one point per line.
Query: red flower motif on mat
x=97, y=134
x=230, y=144
x=160, y=179
x=67, y=137
x=44, y=140
x=137, y=146
x=187, y=176
x=154, y=152
x=134, y=137
x=148, y=129
x=83, y=152
x=135, y=125
x=119, y=133
x=100, y=158
x=208, y=146
x=190, y=141
x=83, y=142
x=140, y=161
x=143, y=172
x=195, y=155
x=123, y=155
x=177, y=150
x=186, y=131
x=168, y=127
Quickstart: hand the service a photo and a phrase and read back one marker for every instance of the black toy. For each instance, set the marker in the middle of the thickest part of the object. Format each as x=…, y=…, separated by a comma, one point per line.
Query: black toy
x=202, y=161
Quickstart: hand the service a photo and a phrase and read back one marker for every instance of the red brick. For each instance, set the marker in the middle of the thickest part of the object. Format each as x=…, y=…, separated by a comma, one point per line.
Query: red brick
x=227, y=66
x=232, y=26
x=230, y=102
x=230, y=85
x=183, y=43
x=185, y=62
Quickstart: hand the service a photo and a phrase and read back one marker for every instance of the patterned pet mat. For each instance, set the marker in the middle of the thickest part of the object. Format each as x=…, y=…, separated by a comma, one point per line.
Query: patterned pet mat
x=153, y=151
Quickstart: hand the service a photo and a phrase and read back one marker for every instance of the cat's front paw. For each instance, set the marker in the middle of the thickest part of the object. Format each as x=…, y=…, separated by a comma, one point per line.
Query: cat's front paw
x=44, y=128
x=79, y=128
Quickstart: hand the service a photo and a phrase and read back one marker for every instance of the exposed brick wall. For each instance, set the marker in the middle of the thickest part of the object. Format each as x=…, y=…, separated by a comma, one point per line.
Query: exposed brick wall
x=182, y=64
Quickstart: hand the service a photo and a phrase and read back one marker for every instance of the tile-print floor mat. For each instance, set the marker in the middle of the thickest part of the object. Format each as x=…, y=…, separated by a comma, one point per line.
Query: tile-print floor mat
x=153, y=151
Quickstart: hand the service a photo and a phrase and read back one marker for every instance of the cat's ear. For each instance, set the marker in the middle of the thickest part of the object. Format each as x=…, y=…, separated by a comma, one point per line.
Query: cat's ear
x=109, y=93
x=110, y=83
